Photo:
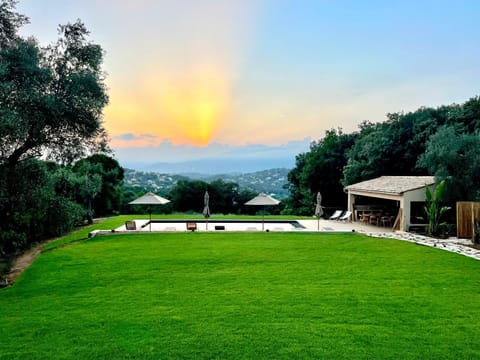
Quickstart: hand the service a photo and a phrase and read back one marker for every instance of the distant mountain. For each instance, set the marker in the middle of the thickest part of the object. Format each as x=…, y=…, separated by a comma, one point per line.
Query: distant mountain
x=215, y=158
x=270, y=181
x=152, y=181
x=212, y=166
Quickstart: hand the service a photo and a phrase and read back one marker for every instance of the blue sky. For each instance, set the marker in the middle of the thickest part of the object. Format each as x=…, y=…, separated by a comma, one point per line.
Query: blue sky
x=189, y=78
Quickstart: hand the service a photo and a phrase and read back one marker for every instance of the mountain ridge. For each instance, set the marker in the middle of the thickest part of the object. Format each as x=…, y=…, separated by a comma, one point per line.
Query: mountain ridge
x=214, y=166
x=271, y=181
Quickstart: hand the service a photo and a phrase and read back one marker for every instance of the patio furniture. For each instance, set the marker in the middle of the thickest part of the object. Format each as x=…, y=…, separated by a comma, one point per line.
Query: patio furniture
x=365, y=217
x=385, y=221
x=191, y=226
x=346, y=216
x=130, y=225
x=336, y=215
x=374, y=219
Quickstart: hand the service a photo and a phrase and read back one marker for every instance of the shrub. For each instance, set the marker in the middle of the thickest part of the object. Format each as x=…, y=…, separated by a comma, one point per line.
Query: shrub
x=63, y=215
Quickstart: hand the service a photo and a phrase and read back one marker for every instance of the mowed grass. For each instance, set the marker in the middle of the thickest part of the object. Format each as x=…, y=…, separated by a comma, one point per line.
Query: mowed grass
x=243, y=296
x=116, y=221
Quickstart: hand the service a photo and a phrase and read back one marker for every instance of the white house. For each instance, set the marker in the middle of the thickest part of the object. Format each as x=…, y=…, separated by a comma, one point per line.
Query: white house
x=403, y=190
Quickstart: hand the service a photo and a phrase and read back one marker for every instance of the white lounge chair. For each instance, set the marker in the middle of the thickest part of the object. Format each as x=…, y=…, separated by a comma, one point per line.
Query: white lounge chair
x=346, y=216
x=336, y=215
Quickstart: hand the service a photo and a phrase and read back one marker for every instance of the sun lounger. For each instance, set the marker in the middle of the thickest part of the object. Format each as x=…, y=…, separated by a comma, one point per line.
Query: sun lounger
x=336, y=215
x=346, y=216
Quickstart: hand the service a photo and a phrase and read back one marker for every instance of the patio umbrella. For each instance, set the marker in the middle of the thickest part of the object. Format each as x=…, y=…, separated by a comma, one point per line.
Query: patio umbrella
x=206, y=209
x=263, y=200
x=318, y=209
x=149, y=199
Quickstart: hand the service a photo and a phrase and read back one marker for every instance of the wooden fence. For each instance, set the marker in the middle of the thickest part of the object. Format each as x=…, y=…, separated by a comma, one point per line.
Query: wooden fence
x=467, y=213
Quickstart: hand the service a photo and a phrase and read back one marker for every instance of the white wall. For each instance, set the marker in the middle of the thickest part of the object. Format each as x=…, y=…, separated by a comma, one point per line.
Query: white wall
x=408, y=198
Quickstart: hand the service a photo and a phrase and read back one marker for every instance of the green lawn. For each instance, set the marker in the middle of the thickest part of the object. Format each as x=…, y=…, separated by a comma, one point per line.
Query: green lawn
x=116, y=221
x=243, y=296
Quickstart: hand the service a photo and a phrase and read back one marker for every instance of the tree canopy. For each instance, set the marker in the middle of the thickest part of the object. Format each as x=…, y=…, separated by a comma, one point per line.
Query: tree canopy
x=51, y=103
x=319, y=170
x=442, y=141
x=51, y=98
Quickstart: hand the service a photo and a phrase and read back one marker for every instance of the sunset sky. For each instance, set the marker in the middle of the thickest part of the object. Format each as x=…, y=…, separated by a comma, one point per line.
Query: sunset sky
x=197, y=78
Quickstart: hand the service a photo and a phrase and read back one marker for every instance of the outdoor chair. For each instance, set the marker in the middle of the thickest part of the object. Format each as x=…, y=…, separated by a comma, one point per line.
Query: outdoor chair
x=374, y=218
x=386, y=222
x=365, y=217
x=130, y=225
x=346, y=216
x=336, y=215
x=191, y=226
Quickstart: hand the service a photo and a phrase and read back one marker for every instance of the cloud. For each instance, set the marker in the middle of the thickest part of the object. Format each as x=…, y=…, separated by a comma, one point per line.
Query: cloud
x=129, y=140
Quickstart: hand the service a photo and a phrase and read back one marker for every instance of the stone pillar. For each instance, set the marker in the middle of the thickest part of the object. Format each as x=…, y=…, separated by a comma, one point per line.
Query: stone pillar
x=351, y=203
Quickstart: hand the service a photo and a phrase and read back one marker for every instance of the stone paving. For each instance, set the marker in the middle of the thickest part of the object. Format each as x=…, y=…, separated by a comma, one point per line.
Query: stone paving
x=459, y=246
x=453, y=244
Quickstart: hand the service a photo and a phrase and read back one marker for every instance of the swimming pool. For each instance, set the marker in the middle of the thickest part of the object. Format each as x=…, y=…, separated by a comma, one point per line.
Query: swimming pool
x=215, y=225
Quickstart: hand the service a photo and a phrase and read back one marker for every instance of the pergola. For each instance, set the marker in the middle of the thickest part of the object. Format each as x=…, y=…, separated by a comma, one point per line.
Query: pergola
x=403, y=189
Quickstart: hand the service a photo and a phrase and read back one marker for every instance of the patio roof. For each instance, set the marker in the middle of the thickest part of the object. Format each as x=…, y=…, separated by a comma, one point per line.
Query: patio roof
x=394, y=185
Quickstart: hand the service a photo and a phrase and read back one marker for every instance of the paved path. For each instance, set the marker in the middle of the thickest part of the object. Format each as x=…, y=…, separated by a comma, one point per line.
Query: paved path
x=459, y=246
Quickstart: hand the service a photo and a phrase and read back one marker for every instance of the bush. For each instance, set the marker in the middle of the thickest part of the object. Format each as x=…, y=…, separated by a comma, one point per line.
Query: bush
x=63, y=215
x=11, y=241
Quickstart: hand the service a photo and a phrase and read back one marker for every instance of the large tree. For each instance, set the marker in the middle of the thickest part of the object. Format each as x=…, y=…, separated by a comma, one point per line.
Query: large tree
x=103, y=183
x=320, y=169
x=51, y=98
x=454, y=157
x=51, y=102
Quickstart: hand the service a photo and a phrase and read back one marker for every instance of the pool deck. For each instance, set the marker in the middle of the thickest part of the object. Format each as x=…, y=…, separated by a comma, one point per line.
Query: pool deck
x=253, y=225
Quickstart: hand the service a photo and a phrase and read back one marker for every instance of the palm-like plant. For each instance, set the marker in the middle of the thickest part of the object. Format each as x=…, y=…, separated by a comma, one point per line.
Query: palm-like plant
x=433, y=210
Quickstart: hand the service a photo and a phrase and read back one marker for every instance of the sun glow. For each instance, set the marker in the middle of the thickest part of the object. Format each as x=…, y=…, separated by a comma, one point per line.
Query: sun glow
x=186, y=109
x=196, y=104
x=181, y=90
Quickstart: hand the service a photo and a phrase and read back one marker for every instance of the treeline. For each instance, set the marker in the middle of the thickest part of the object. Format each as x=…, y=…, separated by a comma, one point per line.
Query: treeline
x=187, y=196
x=51, y=103
x=443, y=141
x=43, y=199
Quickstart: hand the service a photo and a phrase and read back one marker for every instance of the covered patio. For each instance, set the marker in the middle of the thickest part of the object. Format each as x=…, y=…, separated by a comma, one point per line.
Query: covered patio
x=394, y=201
